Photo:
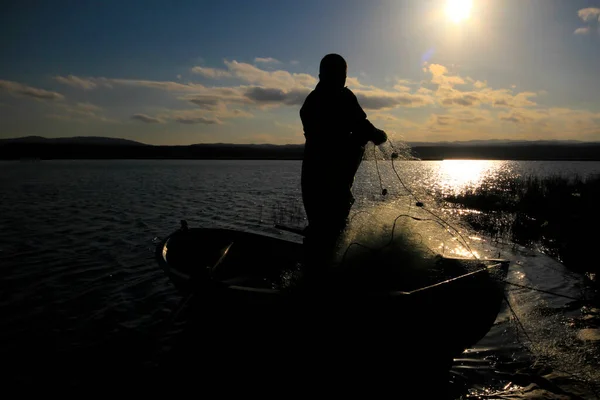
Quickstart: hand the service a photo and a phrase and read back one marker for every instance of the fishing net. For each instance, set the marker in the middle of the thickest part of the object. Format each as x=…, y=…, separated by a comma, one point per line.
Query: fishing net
x=395, y=236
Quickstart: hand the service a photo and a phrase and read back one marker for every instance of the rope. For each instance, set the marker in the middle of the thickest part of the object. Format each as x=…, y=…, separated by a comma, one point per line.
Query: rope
x=543, y=291
x=391, y=236
x=383, y=192
x=419, y=203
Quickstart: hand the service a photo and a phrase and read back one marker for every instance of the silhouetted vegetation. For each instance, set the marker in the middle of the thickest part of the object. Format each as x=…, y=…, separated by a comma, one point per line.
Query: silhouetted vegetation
x=557, y=214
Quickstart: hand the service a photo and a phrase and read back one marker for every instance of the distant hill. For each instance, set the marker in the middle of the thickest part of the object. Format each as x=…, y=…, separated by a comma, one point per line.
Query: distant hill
x=114, y=148
x=90, y=140
x=500, y=142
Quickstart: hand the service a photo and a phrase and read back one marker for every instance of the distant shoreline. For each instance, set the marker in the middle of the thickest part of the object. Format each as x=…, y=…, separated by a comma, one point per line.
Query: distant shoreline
x=73, y=149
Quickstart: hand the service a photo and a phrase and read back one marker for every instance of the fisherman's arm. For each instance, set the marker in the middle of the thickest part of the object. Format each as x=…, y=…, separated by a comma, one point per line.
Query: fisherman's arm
x=361, y=127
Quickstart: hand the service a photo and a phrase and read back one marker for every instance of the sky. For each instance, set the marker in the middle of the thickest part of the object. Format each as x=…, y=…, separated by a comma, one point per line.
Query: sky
x=238, y=71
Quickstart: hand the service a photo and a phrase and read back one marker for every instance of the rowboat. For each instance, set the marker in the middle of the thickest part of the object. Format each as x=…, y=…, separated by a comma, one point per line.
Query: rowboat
x=249, y=304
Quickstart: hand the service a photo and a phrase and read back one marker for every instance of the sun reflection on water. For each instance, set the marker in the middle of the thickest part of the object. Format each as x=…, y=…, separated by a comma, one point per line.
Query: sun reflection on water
x=456, y=176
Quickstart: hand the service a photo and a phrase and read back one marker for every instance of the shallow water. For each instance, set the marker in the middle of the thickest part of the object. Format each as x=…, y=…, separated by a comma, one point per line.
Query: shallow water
x=76, y=266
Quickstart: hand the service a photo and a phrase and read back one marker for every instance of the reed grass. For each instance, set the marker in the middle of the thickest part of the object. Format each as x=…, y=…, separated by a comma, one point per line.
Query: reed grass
x=556, y=214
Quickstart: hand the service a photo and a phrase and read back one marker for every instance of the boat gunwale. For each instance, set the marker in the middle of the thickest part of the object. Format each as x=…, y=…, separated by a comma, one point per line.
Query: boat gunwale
x=223, y=285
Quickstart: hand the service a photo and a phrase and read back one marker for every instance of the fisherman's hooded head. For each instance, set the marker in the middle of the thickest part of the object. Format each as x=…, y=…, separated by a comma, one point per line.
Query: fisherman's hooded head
x=332, y=71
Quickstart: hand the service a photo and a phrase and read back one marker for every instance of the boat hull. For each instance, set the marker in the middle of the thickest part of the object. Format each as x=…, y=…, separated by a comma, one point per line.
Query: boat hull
x=230, y=274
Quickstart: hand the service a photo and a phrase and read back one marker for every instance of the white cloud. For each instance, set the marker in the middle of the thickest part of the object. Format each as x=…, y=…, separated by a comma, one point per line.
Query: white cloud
x=382, y=117
x=402, y=88
x=582, y=31
x=424, y=91
x=280, y=79
x=21, y=90
x=440, y=77
x=96, y=82
x=592, y=17
x=448, y=96
x=354, y=83
x=589, y=14
x=213, y=73
x=449, y=119
x=381, y=99
x=74, y=81
x=266, y=60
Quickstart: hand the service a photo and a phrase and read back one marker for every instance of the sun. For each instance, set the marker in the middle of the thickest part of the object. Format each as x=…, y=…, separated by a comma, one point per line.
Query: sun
x=458, y=10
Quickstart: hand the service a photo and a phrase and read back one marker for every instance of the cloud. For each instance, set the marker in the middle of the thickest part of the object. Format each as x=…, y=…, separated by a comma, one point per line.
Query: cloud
x=440, y=78
x=523, y=116
x=452, y=120
x=382, y=117
x=237, y=114
x=111, y=83
x=402, y=88
x=194, y=116
x=147, y=119
x=437, y=69
x=252, y=74
x=582, y=31
x=213, y=73
x=380, y=99
x=460, y=116
x=197, y=120
x=268, y=86
x=273, y=95
x=258, y=89
x=162, y=85
x=79, y=112
x=465, y=99
x=448, y=96
x=504, y=98
x=592, y=17
x=77, y=82
x=266, y=60
x=207, y=102
x=279, y=78
x=589, y=14
x=21, y=90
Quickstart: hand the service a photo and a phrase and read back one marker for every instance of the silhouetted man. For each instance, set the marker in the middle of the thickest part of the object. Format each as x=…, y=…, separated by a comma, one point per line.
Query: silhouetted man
x=336, y=130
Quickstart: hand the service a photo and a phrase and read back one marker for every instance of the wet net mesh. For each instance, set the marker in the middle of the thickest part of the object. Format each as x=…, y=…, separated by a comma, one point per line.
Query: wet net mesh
x=397, y=233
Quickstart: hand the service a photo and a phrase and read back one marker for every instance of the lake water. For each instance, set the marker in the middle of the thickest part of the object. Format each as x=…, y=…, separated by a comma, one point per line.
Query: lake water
x=77, y=274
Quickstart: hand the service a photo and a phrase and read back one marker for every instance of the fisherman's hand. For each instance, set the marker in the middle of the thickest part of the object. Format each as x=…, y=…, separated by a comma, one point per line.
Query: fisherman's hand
x=379, y=137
